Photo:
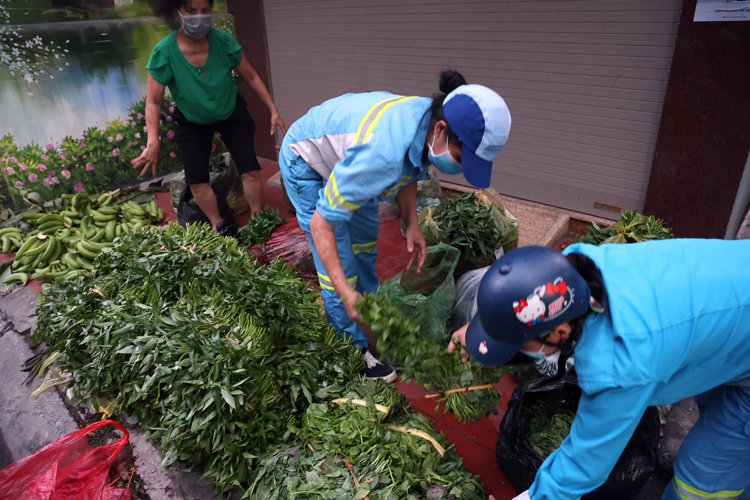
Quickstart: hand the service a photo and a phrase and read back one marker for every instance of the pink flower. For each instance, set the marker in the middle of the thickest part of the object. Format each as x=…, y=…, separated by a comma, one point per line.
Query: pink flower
x=173, y=155
x=213, y=147
x=161, y=122
x=83, y=146
x=111, y=139
x=19, y=185
x=47, y=182
x=170, y=134
x=84, y=132
x=116, y=152
x=89, y=167
x=54, y=180
x=145, y=129
x=45, y=157
x=65, y=174
x=12, y=159
x=63, y=156
x=10, y=170
x=123, y=160
x=139, y=115
x=118, y=137
x=23, y=166
x=51, y=173
x=79, y=188
x=84, y=156
x=32, y=177
x=133, y=124
x=171, y=109
x=50, y=147
x=169, y=118
x=218, y=135
x=138, y=135
x=42, y=167
x=143, y=147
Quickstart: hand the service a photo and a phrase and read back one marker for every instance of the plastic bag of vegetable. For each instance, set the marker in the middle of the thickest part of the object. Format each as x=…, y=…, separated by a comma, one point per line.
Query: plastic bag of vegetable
x=476, y=227
x=551, y=404
x=427, y=298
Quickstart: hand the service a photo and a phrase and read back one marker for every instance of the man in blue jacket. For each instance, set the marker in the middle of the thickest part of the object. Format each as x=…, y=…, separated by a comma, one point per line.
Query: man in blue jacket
x=653, y=323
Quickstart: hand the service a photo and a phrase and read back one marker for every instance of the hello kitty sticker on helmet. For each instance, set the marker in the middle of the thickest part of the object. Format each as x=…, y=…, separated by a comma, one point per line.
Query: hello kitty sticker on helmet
x=483, y=348
x=535, y=309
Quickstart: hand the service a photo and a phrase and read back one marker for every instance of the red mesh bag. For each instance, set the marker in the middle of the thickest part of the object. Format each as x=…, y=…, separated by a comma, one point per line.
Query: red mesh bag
x=66, y=469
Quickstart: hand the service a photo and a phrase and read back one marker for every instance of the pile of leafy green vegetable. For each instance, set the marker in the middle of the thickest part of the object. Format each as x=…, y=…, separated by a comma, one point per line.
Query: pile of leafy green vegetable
x=631, y=228
x=474, y=226
x=545, y=431
x=393, y=453
x=429, y=362
x=219, y=357
x=260, y=227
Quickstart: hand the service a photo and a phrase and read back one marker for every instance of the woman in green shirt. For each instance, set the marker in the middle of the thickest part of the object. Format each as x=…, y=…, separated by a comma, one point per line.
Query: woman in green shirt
x=196, y=63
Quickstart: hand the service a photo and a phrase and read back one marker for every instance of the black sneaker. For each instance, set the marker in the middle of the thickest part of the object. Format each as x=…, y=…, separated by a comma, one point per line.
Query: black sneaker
x=226, y=229
x=374, y=369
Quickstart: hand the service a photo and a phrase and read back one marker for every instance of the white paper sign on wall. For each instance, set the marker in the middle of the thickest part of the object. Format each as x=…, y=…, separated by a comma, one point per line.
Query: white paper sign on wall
x=722, y=10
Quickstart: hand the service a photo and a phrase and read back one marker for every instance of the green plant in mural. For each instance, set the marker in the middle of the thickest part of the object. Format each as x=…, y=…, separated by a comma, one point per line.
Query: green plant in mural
x=99, y=159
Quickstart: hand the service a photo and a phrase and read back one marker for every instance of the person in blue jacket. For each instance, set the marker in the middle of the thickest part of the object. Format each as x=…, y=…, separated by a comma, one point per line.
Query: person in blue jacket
x=344, y=157
x=652, y=323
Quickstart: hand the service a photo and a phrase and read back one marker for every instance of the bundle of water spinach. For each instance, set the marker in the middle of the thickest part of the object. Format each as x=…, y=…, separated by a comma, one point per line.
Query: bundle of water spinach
x=216, y=355
x=365, y=442
x=465, y=387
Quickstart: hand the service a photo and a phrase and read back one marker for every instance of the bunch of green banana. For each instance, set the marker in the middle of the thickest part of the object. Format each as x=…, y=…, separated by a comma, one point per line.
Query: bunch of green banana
x=11, y=239
x=65, y=244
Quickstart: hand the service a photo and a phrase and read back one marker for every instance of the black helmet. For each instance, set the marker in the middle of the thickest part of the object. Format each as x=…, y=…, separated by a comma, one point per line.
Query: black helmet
x=524, y=295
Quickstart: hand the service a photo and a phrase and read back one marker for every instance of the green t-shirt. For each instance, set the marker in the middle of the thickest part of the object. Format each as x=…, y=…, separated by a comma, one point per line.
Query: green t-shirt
x=206, y=94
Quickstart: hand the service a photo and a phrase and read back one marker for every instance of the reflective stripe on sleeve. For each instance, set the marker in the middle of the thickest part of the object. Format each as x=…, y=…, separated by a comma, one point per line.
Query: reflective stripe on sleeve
x=334, y=197
x=687, y=492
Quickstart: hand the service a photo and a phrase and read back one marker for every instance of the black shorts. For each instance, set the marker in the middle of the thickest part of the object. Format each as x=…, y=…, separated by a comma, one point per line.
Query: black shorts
x=195, y=142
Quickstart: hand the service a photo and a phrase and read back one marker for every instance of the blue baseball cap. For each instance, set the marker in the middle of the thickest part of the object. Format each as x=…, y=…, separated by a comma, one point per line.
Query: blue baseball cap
x=481, y=119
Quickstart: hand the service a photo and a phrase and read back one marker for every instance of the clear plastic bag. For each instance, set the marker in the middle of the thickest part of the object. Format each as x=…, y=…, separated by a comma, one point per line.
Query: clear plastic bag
x=427, y=298
x=465, y=305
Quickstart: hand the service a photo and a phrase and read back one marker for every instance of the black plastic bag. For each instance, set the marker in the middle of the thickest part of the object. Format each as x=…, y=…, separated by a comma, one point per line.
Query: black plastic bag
x=519, y=461
x=191, y=213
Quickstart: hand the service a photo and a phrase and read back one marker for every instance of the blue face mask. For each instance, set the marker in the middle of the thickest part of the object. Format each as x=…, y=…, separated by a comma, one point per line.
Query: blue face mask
x=444, y=161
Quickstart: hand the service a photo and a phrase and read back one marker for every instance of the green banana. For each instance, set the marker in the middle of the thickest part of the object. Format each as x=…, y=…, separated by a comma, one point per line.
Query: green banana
x=51, y=217
x=98, y=216
x=70, y=261
x=9, y=230
x=109, y=231
x=6, y=243
x=85, y=252
x=22, y=277
x=85, y=263
x=99, y=236
x=30, y=244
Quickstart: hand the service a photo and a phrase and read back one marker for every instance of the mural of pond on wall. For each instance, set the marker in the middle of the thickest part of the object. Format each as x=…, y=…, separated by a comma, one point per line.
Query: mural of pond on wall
x=72, y=94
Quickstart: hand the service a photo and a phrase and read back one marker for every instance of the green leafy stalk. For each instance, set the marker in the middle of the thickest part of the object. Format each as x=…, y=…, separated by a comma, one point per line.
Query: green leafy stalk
x=631, y=228
x=260, y=227
x=429, y=362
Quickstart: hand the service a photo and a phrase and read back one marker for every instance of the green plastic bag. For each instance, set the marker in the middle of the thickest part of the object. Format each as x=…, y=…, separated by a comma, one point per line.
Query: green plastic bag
x=427, y=298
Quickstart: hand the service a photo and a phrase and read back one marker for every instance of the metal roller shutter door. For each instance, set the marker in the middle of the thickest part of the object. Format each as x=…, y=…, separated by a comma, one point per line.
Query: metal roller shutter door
x=584, y=80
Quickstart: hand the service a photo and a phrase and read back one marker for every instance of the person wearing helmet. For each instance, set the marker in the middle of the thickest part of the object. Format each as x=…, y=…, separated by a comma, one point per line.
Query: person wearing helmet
x=344, y=157
x=651, y=324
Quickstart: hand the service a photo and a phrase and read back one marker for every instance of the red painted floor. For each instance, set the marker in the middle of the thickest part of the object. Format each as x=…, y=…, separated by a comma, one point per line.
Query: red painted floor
x=474, y=442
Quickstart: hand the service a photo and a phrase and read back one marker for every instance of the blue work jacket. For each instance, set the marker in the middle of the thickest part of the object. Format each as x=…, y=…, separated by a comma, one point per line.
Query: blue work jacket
x=367, y=147
x=678, y=325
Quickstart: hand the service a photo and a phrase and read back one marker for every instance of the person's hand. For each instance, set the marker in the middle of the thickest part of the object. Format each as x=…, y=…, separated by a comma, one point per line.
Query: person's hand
x=416, y=245
x=492, y=498
x=148, y=158
x=349, y=298
x=276, y=121
x=459, y=336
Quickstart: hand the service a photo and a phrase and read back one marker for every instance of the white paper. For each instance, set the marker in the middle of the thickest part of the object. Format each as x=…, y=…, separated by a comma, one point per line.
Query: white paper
x=722, y=10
